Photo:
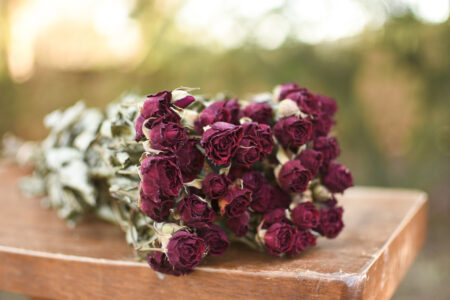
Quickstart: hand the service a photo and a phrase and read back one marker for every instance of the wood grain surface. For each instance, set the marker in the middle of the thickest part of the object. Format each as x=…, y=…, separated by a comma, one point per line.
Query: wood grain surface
x=40, y=256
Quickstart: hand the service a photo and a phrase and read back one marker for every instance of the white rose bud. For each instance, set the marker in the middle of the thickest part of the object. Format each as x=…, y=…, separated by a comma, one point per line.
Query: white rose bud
x=287, y=108
x=179, y=94
x=188, y=117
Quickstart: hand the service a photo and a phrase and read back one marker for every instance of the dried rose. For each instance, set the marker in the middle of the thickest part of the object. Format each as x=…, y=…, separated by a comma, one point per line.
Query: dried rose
x=294, y=177
x=168, y=136
x=239, y=225
x=190, y=160
x=262, y=133
x=262, y=198
x=311, y=159
x=258, y=112
x=233, y=107
x=280, y=199
x=158, y=261
x=328, y=146
x=327, y=105
x=274, y=216
x=253, y=180
x=279, y=238
x=159, y=210
x=221, y=142
x=184, y=101
x=269, y=197
x=235, y=202
x=249, y=151
x=284, y=89
x=303, y=239
x=305, y=215
x=216, y=112
x=292, y=131
x=156, y=109
x=161, y=177
x=337, y=178
x=322, y=124
x=192, y=209
x=331, y=223
x=215, y=186
x=306, y=101
x=215, y=237
x=185, y=250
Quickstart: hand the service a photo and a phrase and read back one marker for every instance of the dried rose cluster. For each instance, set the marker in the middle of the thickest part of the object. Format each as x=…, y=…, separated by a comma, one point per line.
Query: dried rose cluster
x=259, y=171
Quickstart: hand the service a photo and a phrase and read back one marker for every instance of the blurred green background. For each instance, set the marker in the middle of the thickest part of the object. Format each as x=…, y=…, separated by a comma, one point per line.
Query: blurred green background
x=386, y=63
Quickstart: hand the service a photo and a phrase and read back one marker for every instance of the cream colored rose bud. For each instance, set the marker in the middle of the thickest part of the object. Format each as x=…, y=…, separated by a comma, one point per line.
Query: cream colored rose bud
x=188, y=117
x=287, y=108
x=179, y=94
x=321, y=193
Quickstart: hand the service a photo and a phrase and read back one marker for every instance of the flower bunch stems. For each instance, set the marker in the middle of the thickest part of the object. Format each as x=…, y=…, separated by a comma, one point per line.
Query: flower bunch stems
x=183, y=175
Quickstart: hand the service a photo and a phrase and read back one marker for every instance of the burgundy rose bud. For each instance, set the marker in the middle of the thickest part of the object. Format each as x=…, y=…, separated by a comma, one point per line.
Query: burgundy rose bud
x=258, y=112
x=279, y=238
x=330, y=224
x=322, y=124
x=215, y=237
x=327, y=105
x=157, y=209
x=262, y=198
x=168, y=136
x=161, y=177
x=303, y=239
x=221, y=142
x=332, y=202
x=236, y=171
x=328, y=146
x=269, y=197
x=158, y=261
x=215, y=186
x=249, y=151
x=292, y=131
x=190, y=160
x=185, y=251
x=285, y=89
x=216, y=112
x=235, y=202
x=239, y=225
x=261, y=133
x=138, y=124
x=305, y=215
x=156, y=109
x=294, y=177
x=280, y=199
x=253, y=180
x=234, y=109
x=306, y=101
x=274, y=216
x=337, y=178
x=311, y=159
x=184, y=102
x=192, y=209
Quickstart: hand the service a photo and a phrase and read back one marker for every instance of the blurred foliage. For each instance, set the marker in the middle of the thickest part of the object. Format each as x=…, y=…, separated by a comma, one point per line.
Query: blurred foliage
x=392, y=85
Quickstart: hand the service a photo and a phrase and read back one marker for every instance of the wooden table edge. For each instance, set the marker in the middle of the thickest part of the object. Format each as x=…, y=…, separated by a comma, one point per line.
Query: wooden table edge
x=414, y=223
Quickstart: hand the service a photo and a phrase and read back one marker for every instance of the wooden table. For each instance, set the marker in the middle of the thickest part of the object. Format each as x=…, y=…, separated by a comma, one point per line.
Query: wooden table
x=40, y=256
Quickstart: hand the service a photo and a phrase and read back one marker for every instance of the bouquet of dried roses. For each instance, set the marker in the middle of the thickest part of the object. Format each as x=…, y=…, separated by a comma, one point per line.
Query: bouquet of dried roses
x=183, y=175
